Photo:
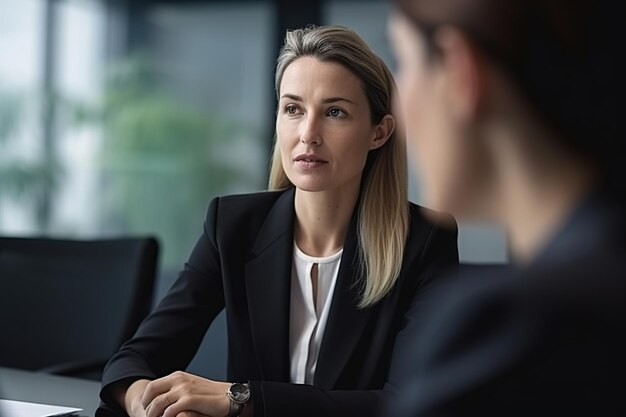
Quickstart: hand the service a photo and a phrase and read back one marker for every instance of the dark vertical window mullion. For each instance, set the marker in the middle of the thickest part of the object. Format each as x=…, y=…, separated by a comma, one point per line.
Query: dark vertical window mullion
x=138, y=32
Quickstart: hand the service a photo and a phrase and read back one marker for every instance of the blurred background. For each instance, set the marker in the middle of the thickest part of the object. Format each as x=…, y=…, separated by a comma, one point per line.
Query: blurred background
x=125, y=117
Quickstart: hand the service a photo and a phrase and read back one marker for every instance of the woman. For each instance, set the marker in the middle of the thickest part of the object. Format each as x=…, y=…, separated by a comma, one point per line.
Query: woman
x=318, y=277
x=513, y=111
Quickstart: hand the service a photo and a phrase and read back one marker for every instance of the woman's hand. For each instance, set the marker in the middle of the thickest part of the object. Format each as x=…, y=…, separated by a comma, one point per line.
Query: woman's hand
x=132, y=398
x=177, y=393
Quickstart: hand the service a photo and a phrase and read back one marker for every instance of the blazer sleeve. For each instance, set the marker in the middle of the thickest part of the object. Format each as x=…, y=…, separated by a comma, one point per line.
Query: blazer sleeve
x=169, y=337
x=278, y=399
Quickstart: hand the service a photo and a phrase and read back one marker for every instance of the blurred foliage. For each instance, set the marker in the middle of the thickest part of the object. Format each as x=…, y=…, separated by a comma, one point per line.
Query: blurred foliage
x=10, y=109
x=22, y=177
x=162, y=161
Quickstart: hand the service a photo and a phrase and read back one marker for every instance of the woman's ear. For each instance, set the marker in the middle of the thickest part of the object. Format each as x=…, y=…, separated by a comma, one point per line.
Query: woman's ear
x=463, y=73
x=383, y=131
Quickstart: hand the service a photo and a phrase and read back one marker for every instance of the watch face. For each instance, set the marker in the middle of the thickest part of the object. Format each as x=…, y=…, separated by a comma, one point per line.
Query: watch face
x=239, y=393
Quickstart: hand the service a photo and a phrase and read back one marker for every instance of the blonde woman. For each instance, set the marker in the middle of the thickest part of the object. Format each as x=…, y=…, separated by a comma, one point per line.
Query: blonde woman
x=318, y=276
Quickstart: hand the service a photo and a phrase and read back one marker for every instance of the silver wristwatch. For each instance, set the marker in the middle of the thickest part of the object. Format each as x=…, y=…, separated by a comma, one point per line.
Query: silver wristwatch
x=239, y=394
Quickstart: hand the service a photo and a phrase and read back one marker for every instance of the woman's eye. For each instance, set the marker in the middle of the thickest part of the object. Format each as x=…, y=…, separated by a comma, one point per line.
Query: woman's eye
x=336, y=113
x=291, y=110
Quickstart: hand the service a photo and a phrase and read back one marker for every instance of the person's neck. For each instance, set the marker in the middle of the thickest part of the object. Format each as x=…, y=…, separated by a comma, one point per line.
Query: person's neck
x=322, y=219
x=538, y=198
x=538, y=179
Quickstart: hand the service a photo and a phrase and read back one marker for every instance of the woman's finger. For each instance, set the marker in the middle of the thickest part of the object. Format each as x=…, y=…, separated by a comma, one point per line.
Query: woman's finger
x=159, y=387
x=159, y=406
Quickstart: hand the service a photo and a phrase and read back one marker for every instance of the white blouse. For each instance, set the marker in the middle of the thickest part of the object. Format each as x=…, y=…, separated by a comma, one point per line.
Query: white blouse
x=308, y=316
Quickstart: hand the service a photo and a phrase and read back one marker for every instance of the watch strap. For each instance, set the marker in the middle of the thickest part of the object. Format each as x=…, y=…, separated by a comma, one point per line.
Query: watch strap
x=235, y=409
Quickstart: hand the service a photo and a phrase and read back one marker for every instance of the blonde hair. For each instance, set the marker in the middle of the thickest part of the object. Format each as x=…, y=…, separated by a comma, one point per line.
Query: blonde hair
x=383, y=217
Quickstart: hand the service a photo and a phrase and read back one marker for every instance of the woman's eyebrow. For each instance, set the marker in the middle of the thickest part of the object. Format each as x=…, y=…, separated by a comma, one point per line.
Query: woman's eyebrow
x=324, y=101
x=292, y=96
x=335, y=99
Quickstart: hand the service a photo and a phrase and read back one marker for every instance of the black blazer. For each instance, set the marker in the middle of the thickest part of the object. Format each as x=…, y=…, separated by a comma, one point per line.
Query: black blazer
x=548, y=339
x=243, y=262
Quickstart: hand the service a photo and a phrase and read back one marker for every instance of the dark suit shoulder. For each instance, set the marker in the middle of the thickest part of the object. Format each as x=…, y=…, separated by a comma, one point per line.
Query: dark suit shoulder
x=247, y=203
x=422, y=216
x=432, y=236
x=242, y=209
x=236, y=221
x=430, y=251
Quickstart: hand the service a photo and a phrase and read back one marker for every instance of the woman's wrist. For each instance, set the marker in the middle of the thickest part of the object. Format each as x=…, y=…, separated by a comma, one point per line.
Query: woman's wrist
x=125, y=393
x=118, y=393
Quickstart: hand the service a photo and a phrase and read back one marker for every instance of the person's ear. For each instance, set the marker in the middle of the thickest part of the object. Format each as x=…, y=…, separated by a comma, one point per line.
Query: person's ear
x=463, y=71
x=383, y=131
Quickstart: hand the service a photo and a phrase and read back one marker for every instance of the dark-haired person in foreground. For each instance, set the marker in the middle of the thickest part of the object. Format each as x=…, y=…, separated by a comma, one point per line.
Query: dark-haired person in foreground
x=515, y=114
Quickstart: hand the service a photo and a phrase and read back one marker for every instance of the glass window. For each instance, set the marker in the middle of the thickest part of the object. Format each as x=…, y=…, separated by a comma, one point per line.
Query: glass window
x=79, y=64
x=186, y=120
x=214, y=63
x=65, y=176
x=21, y=46
x=155, y=112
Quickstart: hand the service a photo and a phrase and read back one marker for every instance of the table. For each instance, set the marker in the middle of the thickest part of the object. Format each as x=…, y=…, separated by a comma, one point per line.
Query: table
x=17, y=384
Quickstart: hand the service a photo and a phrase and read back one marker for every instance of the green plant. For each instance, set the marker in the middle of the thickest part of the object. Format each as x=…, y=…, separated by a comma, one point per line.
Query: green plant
x=161, y=160
x=23, y=177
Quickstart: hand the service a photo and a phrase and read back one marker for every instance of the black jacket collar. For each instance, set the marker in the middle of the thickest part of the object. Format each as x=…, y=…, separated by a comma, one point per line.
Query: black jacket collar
x=269, y=299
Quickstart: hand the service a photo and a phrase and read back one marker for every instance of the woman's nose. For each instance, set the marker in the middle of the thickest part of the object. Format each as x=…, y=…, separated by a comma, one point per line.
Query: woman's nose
x=311, y=134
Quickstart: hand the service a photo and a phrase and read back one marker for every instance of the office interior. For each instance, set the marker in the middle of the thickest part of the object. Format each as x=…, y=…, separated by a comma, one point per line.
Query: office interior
x=124, y=118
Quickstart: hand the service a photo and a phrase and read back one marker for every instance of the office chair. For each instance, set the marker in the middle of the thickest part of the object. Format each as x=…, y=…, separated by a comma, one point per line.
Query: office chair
x=66, y=306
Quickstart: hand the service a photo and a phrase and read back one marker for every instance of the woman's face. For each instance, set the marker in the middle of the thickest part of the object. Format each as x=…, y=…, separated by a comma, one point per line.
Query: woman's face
x=323, y=126
x=435, y=139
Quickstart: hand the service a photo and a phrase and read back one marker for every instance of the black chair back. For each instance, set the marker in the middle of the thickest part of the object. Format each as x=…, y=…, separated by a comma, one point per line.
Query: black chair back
x=66, y=306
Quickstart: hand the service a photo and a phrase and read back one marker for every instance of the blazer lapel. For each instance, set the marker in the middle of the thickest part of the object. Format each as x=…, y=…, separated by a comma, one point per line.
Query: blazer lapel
x=268, y=287
x=346, y=321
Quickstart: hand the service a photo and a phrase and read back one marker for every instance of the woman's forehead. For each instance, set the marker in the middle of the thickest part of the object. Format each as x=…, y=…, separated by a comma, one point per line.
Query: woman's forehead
x=309, y=77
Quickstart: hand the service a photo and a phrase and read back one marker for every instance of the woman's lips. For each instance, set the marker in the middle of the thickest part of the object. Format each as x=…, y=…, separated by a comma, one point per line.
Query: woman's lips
x=309, y=164
x=308, y=161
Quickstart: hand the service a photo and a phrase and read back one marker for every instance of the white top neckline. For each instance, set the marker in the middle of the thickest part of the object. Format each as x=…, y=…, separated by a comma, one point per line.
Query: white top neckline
x=315, y=259
x=308, y=317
